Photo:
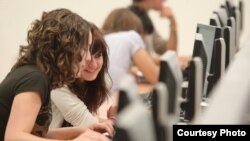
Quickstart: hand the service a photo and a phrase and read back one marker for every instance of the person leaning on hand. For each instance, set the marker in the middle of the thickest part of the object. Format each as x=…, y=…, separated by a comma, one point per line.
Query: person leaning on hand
x=154, y=42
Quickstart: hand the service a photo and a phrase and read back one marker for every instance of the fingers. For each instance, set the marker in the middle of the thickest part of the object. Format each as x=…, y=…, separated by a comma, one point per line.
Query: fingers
x=90, y=135
x=112, y=120
x=95, y=136
x=112, y=114
x=103, y=127
x=108, y=127
x=168, y=13
x=184, y=61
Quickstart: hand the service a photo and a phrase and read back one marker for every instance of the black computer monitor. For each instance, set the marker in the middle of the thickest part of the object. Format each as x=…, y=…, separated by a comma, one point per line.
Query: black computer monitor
x=237, y=12
x=219, y=58
x=199, y=50
x=127, y=92
x=123, y=100
x=231, y=23
x=162, y=124
x=241, y=8
x=238, y=26
x=214, y=20
x=234, y=12
x=171, y=76
x=135, y=123
x=228, y=37
x=222, y=15
x=133, y=117
x=218, y=64
x=191, y=106
x=229, y=102
x=209, y=34
x=229, y=5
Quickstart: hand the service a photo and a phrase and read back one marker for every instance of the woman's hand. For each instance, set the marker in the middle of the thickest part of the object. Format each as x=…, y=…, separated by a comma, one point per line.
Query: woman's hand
x=184, y=61
x=90, y=135
x=167, y=12
x=112, y=114
x=103, y=127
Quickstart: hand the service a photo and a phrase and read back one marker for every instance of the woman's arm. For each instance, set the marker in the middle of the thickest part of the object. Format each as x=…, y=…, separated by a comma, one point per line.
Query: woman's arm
x=72, y=108
x=146, y=65
x=160, y=44
x=24, y=111
x=74, y=132
x=167, y=12
x=65, y=133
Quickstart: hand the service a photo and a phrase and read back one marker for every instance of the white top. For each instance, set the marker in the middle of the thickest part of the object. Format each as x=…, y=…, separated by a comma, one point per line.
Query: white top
x=122, y=46
x=66, y=105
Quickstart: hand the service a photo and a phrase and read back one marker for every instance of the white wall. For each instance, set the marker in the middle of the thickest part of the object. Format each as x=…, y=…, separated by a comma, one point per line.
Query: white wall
x=17, y=15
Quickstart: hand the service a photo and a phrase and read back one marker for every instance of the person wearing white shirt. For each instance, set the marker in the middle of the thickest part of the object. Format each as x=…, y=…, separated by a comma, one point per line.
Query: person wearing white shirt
x=77, y=104
x=124, y=36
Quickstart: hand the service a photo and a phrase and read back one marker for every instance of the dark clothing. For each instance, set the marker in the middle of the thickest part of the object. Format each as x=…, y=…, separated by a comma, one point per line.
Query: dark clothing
x=27, y=78
x=143, y=15
x=154, y=42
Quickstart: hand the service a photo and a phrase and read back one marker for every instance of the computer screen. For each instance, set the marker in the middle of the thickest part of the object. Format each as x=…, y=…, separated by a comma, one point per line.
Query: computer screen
x=229, y=102
x=171, y=76
x=218, y=63
x=222, y=15
x=162, y=124
x=214, y=20
x=209, y=34
x=241, y=8
x=127, y=91
x=228, y=37
x=199, y=50
x=219, y=58
x=237, y=29
x=135, y=123
x=193, y=100
x=234, y=11
x=230, y=6
x=237, y=12
x=231, y=23
x=123, y=100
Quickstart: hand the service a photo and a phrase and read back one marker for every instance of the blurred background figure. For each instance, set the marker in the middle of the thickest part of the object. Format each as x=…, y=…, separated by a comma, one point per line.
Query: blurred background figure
x=124, y=35
x=155, y=44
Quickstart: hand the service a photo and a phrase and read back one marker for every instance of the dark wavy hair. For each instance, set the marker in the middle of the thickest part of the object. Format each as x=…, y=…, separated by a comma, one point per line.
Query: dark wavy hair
x=54, y=44
x=93, y=93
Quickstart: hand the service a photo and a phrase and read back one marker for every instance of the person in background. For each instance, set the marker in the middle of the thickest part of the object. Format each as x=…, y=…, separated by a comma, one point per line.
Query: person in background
x=124, y=35
x=156, y=45
x=56, y=45
x=77, y=104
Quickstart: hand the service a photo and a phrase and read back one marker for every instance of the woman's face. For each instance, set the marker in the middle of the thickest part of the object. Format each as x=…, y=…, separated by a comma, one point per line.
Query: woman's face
x=91, y=64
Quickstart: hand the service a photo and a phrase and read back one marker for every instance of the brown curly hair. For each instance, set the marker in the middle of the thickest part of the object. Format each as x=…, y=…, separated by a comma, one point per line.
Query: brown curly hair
x=54, y=45
x=93, y=93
